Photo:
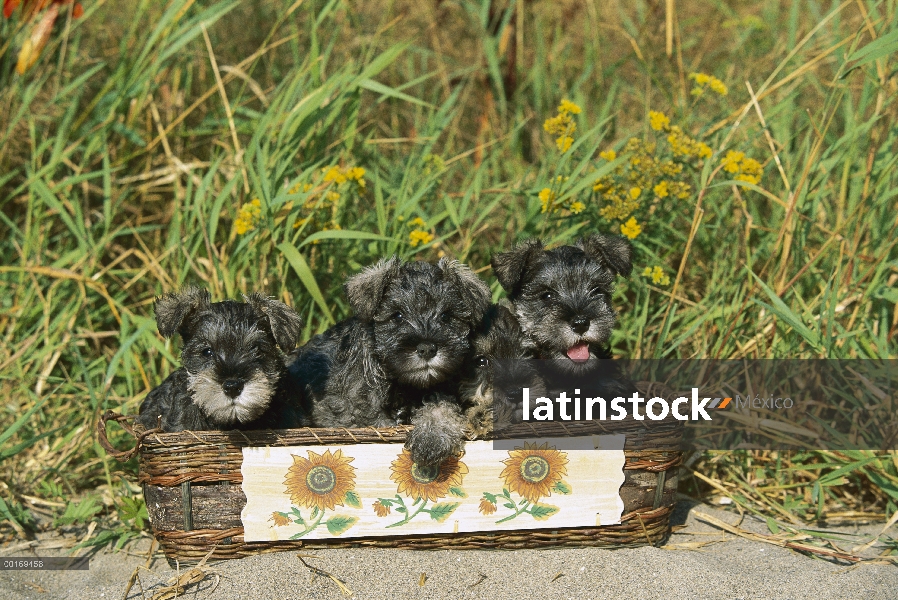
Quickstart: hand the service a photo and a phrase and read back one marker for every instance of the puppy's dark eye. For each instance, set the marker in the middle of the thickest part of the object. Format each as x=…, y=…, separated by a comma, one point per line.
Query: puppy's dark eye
x=548, y=296
x=398, y=317
x=207, y=352
x=481, y=362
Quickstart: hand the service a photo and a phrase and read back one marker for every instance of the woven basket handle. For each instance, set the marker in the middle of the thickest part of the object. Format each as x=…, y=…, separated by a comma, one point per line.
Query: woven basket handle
x=121, y=455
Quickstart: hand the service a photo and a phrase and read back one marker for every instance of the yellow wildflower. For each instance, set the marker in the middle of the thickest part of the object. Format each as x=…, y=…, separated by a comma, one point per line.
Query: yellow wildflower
x=567, y=106
x=631, y=228
x=731, y=161
x=400, y=218
x=661, y=190
x=547, y=198
x=564, y=143
x=419, y=236
x=718, y=86
x=635, y=192
x=248, y=216
x=356, y=174
x=577, y=207
x=334, y=174
x=743, y=168
x=658, y=120
x=702, y=80
x=608, y=155
x=418, y=222
x=657, y=274
x=332, y=196
x=560, y=125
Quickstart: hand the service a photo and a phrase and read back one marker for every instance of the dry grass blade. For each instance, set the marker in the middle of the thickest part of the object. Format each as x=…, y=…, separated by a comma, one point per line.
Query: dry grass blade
x=422, y=579
x=789, y=541
x=692, y=545
x=345, y=590
x=177, y=585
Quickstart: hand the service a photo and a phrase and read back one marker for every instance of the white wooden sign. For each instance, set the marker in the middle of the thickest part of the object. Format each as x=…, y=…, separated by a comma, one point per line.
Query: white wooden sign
x=361, y=490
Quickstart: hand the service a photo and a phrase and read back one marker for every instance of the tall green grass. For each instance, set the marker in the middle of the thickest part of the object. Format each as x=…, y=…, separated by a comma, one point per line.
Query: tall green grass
x=124, y=162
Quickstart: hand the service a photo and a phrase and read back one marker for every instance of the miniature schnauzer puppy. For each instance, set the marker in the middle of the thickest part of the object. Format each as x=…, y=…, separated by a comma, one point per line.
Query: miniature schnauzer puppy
x=233, y=375
x=502, y=366
x=397, y=360
x=562, y=298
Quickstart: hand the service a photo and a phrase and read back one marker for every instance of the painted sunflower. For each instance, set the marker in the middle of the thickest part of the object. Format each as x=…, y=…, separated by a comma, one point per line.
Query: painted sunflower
x=429, y=483
x=320, y=481
x=531, y=471
x=486, y=507
x=381, y=510
x=280, y=519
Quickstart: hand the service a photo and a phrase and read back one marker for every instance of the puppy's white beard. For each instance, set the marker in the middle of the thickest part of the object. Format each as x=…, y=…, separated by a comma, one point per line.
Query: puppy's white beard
x=424, y=373
x=221, y=408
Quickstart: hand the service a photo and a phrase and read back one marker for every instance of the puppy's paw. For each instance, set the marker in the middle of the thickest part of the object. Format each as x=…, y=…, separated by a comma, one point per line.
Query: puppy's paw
x=438, y=434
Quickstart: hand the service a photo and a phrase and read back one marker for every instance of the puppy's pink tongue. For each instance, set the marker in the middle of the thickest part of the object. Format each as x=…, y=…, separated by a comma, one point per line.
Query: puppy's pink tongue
x=578, y=352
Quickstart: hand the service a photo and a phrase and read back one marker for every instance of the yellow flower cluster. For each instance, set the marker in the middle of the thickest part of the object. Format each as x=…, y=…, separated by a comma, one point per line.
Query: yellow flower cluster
x=704, y=81
x=248, y=217
x=742, y=167
x=337, y=175
x=623, y=191
x=563, y=125
x=658, y=121
x=683, y=145
x=631, y=228
x=548, y=199
x=322, y=209
x=657, y=274
x=419, y=236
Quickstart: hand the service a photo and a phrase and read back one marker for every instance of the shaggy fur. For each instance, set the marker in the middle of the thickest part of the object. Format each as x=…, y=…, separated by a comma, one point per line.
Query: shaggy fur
x=502, y=366
x=562, y=298
x=233, y=373
x=397, y=359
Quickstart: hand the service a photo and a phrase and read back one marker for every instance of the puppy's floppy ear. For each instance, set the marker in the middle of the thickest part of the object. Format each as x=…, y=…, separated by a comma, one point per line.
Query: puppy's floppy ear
x=172, y=309
x=366, y=289
x=511, y=268
x=474, y=293
x=286, y=324
x=613, y=251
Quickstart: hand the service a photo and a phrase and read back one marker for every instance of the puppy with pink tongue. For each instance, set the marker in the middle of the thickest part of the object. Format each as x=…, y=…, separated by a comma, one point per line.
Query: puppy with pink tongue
x=562, y=299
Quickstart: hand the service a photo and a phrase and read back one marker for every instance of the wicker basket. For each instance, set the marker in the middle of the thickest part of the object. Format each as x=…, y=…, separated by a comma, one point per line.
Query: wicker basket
x=192, y=487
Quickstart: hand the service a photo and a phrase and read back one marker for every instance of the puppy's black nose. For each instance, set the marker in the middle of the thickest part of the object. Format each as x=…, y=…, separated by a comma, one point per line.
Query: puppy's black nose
x=232, y=387
x=580, y=325
x=427, y=350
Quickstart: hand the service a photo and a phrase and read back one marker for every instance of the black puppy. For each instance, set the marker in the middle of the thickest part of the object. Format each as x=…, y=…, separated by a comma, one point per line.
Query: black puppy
x=233, y=375
x=502, y=366
x=562, y=298
x=398, y=359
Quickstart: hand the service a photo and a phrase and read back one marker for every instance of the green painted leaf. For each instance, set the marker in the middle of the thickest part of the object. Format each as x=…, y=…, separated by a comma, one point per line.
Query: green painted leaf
x=352, y=499
x=510, y=505
x=440, y=512
x=562, y=487
x=490, y=497
x=386, y=501
x=340, y=523
x=541, y=512
x=458, y=492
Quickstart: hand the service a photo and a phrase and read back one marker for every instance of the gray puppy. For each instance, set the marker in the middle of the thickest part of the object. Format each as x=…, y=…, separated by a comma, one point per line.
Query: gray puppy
x=233, y=375
x=502, y=366
x=562, y=298
x=397, y=360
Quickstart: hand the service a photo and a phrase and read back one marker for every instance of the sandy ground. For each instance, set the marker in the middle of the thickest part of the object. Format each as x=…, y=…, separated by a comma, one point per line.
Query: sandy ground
x=732, y=568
